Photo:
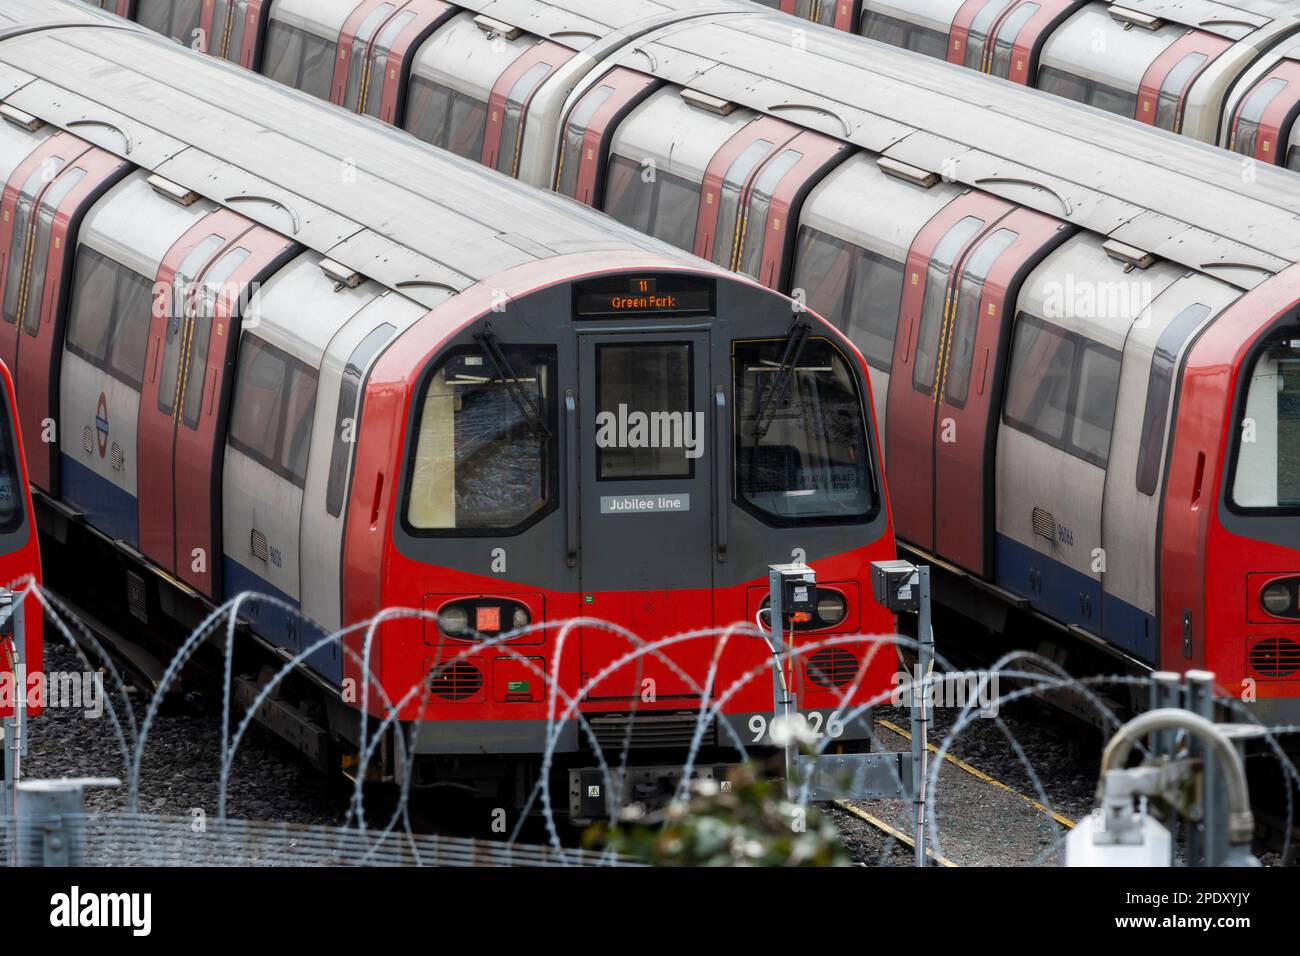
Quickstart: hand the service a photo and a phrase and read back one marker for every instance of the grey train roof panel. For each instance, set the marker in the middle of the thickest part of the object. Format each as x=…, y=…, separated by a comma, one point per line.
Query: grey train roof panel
x=372, y=198
x=1185, y=201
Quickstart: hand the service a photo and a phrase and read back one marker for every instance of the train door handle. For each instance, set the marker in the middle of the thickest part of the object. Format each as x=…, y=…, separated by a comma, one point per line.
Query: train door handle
x=571, y=477
x=721, y=472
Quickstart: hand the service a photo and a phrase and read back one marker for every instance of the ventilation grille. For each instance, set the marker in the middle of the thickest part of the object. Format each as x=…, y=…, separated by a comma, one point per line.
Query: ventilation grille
x=1044, y=524
x=458, y=680
x=648, y=731
x=87, y=439
x=1275, y=657
x=136, y=598
x=257, y=543
x=832, y=667
x=119, y=459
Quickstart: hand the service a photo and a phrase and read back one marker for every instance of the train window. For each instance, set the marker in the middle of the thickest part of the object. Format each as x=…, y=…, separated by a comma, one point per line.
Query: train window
x=1293, y=158
x=359, y=64
x=804, y=457
x=1094, y=406
x=214, y=289
x=934, y=314
x=299, y=58
x=654, y=379
x=32, y=187
x=667, y=206
x=1008, y=33
x=1174, y=88
x=275, y=396
x=39, y=257
x=482, y=462
x=979, y=29
x=345, y=422
x=11, y=482
x=1246, y=130
x=856, y=290
x=733, y=184
x=575, y=134
x=373, y=101
x=1268, y=457
x=909, y=36
x=1042, y=367
x=511, y=123
x=1160, y=389
x=109, y=316
x=178, y=19
x=228, y=18
x=448, y=118
x=1081, y=90
x=750, y=260
x=182, y=290
x=966, y=315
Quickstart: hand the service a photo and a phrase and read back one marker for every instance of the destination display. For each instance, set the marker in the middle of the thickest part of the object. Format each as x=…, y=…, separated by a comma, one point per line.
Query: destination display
x=643, y=296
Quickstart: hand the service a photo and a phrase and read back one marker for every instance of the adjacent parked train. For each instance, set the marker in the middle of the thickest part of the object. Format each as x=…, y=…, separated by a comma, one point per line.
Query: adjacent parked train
x=1083, y=336
x=1220, y=71
x=290, y=351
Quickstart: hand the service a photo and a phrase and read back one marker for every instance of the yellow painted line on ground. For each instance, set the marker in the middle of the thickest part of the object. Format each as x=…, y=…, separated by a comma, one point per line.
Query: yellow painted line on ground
x=981, y=775
x=898, y=835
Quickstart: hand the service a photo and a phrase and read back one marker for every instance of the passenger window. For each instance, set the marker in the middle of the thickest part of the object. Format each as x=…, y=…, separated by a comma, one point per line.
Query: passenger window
x=1080, y=90
x=270, y=422
x=21, y=239
x=214, y=289
x=1267, y=468
x=908, y=36
x=575, y=133
x=1246, y=130
x=1169, y=114
x=177, y=19
x=512, y=123
x=299, y=59
x=109, y=316
x=667, y=207
x=856, y=290
x=1008, y=33
x=934, y=308
x=181, y=293
x=979, y=29
x=1042, y=365
x=480, y=464
x=345, y=419
x=452, y=120
x=1094, y=408
x=39, y=259
x=12, y=509
x=358, y=65
x=754, y=230
x=725, y=245
x=966, y=317
x=653, y=380
x=373, y=101
x=801, y=451
x=1160, y=391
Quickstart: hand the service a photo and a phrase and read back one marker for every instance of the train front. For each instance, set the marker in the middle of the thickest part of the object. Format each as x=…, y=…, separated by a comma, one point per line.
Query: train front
x=582, y=486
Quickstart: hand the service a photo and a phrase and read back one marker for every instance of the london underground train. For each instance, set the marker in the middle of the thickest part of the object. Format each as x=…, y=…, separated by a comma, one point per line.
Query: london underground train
x=1082, y=333
x=1220, y=71
x=294, y=352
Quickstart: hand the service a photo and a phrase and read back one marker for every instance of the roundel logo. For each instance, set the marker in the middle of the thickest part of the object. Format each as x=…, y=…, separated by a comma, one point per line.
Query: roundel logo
x=101, y=424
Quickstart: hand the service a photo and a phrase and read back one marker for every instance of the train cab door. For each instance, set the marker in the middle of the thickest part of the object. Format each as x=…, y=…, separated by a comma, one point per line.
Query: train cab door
x=644, y=425
x=971, y=372
x=934, y=262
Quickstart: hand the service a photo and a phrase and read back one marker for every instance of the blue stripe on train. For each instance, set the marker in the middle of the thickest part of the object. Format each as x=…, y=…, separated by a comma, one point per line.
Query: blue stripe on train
x=1061, y=597
x=277, y=625
x=111, y=509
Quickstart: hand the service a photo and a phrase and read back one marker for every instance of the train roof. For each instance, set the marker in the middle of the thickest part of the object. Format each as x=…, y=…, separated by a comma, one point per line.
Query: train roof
x=1183, y=201
x=408, y=215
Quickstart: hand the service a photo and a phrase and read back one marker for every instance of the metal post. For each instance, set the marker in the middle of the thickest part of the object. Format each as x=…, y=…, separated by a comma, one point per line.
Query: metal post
x=7, y=794
x=1165, y=693
x=920, y=709
x=1207, y=843
x=782, y=697
x=51, y=821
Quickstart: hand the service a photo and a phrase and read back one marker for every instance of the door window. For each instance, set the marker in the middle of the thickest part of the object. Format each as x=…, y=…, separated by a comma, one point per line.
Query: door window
x=647, y=426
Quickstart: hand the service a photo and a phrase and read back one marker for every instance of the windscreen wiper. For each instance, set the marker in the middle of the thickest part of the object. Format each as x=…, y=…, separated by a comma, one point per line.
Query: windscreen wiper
x=487, y=338
x=794, y=347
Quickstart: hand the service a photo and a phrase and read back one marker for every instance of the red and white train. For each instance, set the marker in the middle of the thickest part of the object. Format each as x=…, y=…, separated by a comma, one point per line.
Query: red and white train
x=1220, y=71
x=1083, y=335
x=290, y=351
x=20, y=566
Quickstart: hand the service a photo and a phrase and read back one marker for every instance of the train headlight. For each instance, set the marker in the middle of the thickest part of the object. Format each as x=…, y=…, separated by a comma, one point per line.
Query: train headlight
x=454, y=620
x=831, y=608
x=1278, y=598
x=520, y=619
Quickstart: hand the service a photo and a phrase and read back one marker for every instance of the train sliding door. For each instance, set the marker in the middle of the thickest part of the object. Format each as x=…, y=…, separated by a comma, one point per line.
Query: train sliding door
x=644, y=417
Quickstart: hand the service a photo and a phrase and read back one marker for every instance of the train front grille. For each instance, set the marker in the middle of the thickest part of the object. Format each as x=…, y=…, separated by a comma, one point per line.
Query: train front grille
x=1275, y=657
x=649, y=731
